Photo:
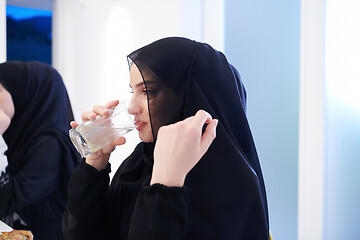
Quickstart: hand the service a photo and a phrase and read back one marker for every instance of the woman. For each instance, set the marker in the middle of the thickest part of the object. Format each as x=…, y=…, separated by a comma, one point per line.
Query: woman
x=181, y=182
x=34, y=116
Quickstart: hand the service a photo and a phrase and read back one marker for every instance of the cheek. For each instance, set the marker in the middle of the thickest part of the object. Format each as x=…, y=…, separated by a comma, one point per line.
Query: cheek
x=165, y=111
x=149, y=134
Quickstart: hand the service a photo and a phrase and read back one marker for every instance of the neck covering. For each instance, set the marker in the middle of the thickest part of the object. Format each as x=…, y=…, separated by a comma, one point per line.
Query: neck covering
x=42, y=107
x=224, y=192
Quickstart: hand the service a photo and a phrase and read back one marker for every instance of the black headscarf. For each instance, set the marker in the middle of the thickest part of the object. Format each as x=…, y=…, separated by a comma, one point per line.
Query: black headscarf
x=224, y=192
x=42, y=107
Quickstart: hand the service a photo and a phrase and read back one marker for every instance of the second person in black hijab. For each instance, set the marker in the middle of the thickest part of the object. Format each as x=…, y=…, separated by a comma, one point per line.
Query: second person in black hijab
x=40, y=157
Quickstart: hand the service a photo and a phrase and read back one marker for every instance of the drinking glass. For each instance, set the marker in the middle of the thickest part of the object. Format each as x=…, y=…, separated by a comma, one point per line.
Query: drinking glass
x=92, y=135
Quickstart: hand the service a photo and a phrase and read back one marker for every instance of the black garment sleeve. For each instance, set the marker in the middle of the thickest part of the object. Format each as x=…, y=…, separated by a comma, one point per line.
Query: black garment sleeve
x=36, y=180
x=84, y=215
x=159, y=213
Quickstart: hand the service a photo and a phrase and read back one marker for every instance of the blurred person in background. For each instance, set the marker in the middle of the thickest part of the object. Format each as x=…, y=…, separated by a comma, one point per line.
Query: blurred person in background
x=37, y=156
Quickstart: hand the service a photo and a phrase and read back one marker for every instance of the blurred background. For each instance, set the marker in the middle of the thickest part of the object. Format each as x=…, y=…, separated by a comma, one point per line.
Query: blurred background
x=299, y=61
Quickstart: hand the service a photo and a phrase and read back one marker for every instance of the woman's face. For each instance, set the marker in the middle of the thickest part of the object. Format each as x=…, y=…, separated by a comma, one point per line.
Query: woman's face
x=6, y=102
x=165, y=104
x=139, y=106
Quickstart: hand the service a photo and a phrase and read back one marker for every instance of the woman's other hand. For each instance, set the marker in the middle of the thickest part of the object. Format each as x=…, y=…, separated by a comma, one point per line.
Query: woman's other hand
x=5, y=121
x=100, y=158
x=180, y=146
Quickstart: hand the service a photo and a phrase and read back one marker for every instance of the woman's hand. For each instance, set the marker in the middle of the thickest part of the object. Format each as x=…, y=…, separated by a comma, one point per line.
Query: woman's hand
x=180, y=146
x=5, y=121
x=100, y=158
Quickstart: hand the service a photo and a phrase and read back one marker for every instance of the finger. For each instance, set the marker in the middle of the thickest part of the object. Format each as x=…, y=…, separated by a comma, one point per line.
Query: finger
x=200, y=118
x=3, y=114
x=188, y=120
x=119, y=141
x=112, y=103
x=87, y=115
x=74, y=124
x=111, y=147
x=107, y=149
x=100, y=110
x=208, y=136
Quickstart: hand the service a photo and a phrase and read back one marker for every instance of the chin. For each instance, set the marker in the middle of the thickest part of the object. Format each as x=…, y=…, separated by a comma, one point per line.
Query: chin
x=146, y=137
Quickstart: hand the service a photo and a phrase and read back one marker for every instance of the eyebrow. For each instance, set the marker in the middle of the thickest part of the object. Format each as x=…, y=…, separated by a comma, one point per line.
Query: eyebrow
x=142, y=83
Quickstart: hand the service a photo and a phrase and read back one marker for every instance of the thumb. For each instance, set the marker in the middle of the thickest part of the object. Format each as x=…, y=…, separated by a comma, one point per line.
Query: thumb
x=208, y=136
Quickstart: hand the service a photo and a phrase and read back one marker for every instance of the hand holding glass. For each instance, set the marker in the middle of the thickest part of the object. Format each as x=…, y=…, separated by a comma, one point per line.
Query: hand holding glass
x=93, y=135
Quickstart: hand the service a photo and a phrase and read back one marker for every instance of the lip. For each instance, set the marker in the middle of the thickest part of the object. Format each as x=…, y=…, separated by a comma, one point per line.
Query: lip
x=140, y=125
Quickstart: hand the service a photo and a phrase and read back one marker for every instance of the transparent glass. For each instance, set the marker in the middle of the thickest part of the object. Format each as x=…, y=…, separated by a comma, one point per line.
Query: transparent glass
x=93, y=135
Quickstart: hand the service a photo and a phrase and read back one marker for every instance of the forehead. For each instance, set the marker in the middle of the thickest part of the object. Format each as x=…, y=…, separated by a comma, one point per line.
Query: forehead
x=135, y=76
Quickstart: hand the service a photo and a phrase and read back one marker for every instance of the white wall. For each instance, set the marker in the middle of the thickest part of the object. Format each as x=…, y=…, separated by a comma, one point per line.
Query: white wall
x=342, y=125
x=91, y=40
x=2, y=31
x=329, y=121
x=311, y=120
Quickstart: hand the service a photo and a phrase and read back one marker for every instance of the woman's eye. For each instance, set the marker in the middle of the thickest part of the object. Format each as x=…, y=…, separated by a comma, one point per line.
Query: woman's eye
x=150, y=93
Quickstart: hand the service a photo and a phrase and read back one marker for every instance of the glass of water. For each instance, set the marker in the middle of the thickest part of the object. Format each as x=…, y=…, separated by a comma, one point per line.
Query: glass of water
x=93, y=135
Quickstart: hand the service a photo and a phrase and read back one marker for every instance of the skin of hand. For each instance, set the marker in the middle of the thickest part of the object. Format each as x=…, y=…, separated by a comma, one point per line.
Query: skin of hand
x=100, y=158
x=179, y=148
x=5, y=121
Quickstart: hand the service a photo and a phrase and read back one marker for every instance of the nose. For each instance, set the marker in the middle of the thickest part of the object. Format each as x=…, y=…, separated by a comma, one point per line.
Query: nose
x=134, y=106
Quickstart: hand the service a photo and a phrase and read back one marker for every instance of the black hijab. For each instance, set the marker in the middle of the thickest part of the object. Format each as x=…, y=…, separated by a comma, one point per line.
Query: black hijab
x=224, y=192
x=42, y=107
